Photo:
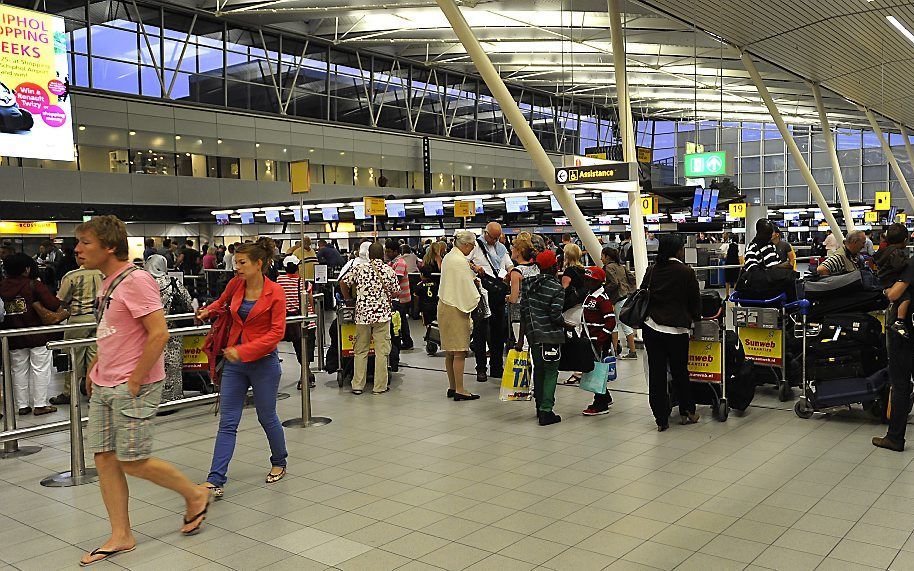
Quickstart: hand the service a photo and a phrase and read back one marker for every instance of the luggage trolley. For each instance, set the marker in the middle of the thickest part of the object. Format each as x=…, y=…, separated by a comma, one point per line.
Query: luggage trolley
x=345, y=346
x=708, y=357
x=763, y=327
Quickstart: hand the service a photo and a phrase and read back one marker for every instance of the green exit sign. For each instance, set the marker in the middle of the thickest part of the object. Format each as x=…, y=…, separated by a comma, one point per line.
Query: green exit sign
x=698, y=165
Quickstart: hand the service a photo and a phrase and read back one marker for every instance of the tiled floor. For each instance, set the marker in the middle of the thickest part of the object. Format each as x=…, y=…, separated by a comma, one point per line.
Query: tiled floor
x=410, y=480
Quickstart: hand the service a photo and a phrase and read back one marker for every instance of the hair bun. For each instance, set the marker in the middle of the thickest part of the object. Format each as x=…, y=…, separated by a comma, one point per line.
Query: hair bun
x=268, y=245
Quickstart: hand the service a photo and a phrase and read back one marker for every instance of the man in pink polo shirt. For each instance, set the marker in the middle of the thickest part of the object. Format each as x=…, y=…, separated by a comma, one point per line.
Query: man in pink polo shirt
x=125, y=387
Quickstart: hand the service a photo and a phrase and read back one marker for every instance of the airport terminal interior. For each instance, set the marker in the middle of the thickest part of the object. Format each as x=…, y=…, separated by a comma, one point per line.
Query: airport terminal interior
x=761, y=149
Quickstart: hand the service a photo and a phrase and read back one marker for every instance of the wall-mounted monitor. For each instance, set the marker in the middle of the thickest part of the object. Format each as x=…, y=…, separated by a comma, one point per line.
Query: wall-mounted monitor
x=247, y=217
x=358, y=210
x=517, y=204
x=614, y=200
x=705, y=202
x=561, y=221
x=678, y=217
x=554, y=203
x=696, y=201
x=712, y=205
x=479, y=208
x=222, y=219
x=272, y=216
x=396, y=210
x=301, y=215
x=433, y=208
x=330, y=213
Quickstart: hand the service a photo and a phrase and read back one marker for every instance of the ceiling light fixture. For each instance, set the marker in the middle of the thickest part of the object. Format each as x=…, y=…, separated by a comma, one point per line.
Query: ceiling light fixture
x=901, y=27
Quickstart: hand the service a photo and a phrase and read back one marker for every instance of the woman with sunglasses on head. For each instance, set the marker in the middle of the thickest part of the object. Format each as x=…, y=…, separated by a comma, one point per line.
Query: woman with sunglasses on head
x=258, y=314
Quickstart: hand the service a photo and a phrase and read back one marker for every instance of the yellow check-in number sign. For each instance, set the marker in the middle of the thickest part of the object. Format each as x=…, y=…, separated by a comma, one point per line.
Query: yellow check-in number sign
x=649, y=205
x=375, y=206
x=705, y=363
x=737, y=210
x=871, y=216
x=764, y=346
x=883, y=200
x=464, y=208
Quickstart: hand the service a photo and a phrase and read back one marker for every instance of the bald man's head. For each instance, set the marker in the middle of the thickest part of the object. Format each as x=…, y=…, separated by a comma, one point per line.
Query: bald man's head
x=492, y=233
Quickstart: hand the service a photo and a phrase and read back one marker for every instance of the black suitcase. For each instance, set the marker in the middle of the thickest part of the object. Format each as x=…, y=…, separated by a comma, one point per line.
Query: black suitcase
x=857, y=301
x=711, y=303
x=846, y=391
x=741, y=385
x=860, y=328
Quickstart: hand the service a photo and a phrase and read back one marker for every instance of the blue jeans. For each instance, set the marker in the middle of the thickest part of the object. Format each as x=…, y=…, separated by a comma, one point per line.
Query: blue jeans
x=263, y=375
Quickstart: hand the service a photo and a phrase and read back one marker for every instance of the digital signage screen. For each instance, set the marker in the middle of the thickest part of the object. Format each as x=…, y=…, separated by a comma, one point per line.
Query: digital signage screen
x=222, y=219
x=35, y=110
x=712, y=205
x=614, y=200
x=273, y=216
x=696, y=201
x=396, y=210
x=247, y=217
x=358, y=210
x=299, y=217
x=479, y=208
x=433, y=208
x=554, y=203
x=517, y=204
x=330, y=213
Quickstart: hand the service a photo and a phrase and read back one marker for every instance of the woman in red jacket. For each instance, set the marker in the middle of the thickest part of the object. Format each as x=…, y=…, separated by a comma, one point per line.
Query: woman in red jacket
x=258, y=313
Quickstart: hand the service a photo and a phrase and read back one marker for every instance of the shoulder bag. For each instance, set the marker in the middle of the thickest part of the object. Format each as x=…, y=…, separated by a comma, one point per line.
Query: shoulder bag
x=493, y=285
x=635, y=309
x=217, y=339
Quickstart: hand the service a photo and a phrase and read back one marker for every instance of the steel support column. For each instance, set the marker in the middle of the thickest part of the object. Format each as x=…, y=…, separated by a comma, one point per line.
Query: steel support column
x=890, y=156
x=792, y=146
x=907, y=144
x=833, y=154
x=627, y=133
x=510, y=109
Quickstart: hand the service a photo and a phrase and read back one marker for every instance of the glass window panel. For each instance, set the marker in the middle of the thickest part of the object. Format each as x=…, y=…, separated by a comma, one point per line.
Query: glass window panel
x=751, y=147
x=774, y=178
x=149, y=82
x=189, y=164
x=850, y=174
x=247, y=169
x=823, y=176
x=847, y=140
x=795, y=177
x=874, y=156
x=797, y=195
x=820, y=160
x=875, y=173
x=774, y=163
x=750, y=180
x=871, y=188
x=750, y=164
x=153, y=163
x=115, y=43
x=103, y=159
x=870, y=140
x=228, y=167
x=116, y=76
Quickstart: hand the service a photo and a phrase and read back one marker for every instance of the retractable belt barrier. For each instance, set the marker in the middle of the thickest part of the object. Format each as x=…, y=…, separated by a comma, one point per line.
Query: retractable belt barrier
x=78, y=473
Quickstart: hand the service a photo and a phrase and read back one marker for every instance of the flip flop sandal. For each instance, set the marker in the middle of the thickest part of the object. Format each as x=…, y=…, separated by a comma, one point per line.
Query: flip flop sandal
x=107, y=554
x=217, y=491
x=273, y=478
x=572, y=380
x=200, y=516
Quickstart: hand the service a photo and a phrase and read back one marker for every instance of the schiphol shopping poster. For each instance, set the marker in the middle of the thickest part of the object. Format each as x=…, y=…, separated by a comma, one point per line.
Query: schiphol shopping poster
x=36, y=119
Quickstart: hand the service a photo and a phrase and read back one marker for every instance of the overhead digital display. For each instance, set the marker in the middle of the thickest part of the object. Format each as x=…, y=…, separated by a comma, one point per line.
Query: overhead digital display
x=554, y=203
x=36, y=120
x=247, y=217
x=299, y=217
x=479, y=208
x=396, y=210
x=517, y=204
x=433, y=208
x=358, y=210
x=222, y=219
x=696, y=201
x=330, y=213
x=273, y=216
x=614, y=200
x=712, y=205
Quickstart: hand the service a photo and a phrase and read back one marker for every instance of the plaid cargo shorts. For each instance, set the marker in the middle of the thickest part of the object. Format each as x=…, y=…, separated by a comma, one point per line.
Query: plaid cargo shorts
x=122, y=423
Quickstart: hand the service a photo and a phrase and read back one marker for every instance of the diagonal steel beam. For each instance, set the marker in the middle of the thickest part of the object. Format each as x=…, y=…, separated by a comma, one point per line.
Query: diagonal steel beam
x=174, y=77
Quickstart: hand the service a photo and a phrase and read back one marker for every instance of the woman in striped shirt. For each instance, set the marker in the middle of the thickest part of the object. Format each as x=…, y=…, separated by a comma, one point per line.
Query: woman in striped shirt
x=291, y=286
x=761, y=252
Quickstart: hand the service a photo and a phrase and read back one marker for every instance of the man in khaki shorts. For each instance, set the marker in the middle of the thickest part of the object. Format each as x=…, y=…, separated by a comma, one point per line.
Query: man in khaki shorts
x=125, y=385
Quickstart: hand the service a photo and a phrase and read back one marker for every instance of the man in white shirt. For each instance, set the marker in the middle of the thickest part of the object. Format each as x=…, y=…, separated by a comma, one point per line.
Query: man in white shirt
x=488, y=258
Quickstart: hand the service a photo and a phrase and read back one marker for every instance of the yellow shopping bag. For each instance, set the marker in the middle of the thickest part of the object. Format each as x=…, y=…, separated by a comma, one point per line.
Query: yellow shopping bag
x=515, y=381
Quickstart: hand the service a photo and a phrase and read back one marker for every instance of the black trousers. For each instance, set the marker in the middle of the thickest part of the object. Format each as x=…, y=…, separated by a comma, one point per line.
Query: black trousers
x=901, y=357
x=490, y=332
x=406, y=340
x=667, y=352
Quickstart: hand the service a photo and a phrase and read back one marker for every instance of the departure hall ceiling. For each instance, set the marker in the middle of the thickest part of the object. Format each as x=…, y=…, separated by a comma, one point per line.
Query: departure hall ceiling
x=676, y=70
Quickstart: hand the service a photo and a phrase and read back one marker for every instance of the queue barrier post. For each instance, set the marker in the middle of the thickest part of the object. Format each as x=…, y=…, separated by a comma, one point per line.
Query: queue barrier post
x=11, y=448
x=78, y=474
x=306, y=420
x=319, y=334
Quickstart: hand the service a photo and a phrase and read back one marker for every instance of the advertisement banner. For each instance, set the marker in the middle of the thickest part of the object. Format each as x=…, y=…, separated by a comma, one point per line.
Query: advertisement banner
x=194, y=357
x=347, y=340
x=764, y=346
x=36, y=120
x=705, y=361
